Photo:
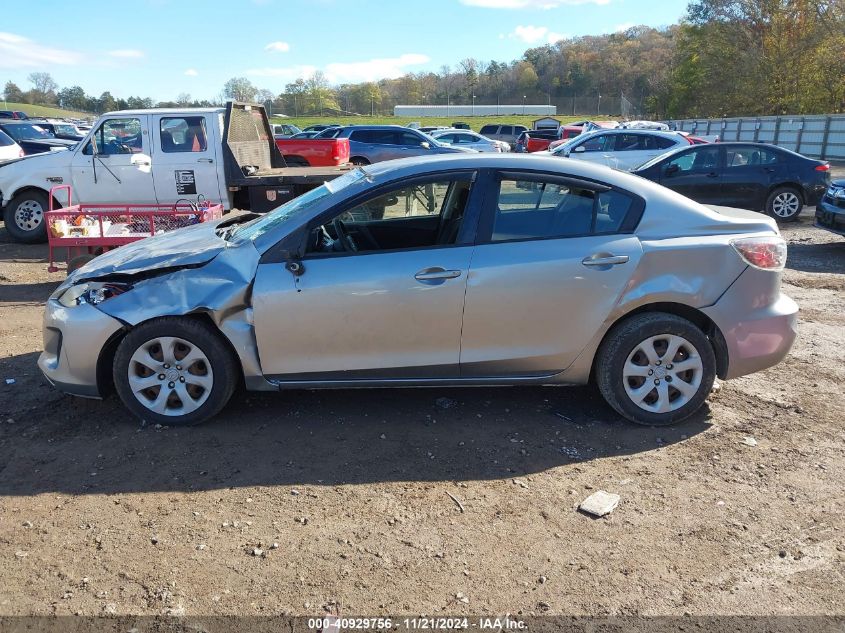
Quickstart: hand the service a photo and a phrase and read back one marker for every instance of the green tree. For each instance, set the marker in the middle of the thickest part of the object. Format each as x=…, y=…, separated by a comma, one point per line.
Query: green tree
x=239, y=89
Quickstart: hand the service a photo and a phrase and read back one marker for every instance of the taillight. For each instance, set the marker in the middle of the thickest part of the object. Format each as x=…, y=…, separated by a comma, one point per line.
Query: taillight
x=765, y=253
x=21, y=153
x=823, y=167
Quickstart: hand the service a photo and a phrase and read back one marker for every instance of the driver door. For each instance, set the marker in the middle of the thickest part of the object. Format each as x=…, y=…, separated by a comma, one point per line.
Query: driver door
x=391, y=310
x=114, y=164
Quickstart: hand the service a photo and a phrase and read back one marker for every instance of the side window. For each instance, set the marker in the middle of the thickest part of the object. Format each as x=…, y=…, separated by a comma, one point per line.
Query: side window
x=631, y=142
x=661, y=142
x=117, y=136
x=361, y=136
x=611, y=211
x=489, y=129
x=413, y=216
x=536, y=210
x=183, y=134
x=599, y=143
x=507, y=130
x=446, y=138
x=749, y=157
x=408, y=139
x=464, y=139
x=699, y=159
x=5, y=140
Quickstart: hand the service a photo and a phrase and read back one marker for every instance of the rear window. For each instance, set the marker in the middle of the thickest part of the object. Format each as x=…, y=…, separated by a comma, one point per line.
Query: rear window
x=5, y=140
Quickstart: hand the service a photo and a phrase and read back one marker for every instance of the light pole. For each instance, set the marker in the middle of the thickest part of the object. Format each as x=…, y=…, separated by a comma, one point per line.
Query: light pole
x=598, y=110
x=473, y=105
x=523, y=105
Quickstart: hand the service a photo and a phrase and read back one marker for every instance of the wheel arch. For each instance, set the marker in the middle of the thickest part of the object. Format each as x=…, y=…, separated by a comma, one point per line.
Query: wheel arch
x=28, y=188
x=105, y=360
x=693, y=315
x=799, y=189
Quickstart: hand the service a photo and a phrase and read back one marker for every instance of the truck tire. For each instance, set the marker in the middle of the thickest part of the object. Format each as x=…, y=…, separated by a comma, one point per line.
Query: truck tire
x=359, y=161
x=24, y=217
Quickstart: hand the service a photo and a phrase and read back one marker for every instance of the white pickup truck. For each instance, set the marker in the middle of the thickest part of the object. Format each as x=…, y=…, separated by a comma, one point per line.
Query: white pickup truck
x=159, y=156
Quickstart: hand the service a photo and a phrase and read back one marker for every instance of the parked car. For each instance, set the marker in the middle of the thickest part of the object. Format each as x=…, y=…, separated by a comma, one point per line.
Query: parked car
x=540, y=140
x=314, y=151
x=752, y=176
x=830, y=210
x=13, y=114
x=284, y=130
x=566, y=132
x=503, y=132
x=157, y=156
x=658, y=293
x=375, y=143
x=308, y=134
x=428, y=129
x=470, y=139
x=9, y=150
x=59, y=129
x=622, y=149
x=319, y=127
x=33, y=138
x=460, y=125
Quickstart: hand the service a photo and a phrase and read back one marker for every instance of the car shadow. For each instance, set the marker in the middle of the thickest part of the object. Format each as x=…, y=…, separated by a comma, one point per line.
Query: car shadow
x=27, y=292
x=60, y=444
x=817, y=258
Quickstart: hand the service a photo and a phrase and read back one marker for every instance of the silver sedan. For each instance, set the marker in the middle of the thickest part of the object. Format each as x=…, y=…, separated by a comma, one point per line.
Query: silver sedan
x=470, y=139
x=446, y=270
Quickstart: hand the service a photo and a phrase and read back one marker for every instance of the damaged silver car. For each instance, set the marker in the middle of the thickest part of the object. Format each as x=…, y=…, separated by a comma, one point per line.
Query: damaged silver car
x=448, y=271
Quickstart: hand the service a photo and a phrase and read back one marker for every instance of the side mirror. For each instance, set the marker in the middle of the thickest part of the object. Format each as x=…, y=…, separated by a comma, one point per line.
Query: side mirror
x=425, y=145
x=672, y=169
x=580, y=149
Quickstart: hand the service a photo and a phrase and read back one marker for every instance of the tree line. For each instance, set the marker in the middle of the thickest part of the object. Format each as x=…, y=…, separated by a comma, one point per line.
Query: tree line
x=725, y=58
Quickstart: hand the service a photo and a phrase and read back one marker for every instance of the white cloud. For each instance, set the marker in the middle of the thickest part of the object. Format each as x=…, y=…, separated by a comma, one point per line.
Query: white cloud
x=341, y=72
x=527, y=4
x=623, y=27
x=127, y=53
x=18, y=52
x=279, y=47
x=534, y=34
x=191, y=73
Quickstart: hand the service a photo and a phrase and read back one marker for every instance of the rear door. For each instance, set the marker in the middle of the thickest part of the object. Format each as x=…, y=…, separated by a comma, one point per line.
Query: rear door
x=551, y=260
x=696, y=173
x=748, y=173
x=185, y=155
x=597, y=149
x=115, y=165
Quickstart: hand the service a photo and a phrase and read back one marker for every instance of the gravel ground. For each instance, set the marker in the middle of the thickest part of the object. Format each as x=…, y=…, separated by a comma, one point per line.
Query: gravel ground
x=390, y=501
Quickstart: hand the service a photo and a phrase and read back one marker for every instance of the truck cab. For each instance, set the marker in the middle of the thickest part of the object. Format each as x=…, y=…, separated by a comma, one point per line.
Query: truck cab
x=159, y=156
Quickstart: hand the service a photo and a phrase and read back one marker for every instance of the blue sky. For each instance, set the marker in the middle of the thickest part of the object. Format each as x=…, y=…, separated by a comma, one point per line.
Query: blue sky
x=160, y=48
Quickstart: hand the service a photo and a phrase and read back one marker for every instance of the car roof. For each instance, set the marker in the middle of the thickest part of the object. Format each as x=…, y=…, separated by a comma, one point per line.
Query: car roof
x=163, y=111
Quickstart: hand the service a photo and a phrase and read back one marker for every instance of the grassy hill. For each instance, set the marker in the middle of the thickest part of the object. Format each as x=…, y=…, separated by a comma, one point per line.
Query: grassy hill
x=45, y=111
x=474, y=122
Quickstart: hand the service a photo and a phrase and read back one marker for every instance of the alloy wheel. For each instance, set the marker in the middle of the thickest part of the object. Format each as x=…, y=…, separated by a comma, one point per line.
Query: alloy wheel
x=170, y=376
x=786, y=204
x=662, y=373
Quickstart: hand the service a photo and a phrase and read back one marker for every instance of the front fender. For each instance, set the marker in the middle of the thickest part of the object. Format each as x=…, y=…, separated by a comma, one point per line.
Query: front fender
x=35, y=172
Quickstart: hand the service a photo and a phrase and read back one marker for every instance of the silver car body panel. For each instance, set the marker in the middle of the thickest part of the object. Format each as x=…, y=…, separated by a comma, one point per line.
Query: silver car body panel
x=532, y=313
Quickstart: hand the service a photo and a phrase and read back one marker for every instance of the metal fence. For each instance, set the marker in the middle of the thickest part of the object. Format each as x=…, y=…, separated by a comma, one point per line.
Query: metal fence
x=818, y=136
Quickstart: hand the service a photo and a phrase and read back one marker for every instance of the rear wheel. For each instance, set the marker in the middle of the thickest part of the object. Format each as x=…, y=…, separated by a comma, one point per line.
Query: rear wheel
x=784, y=204
x=174, y=371
x=359, y=161
x=24, y=217
x=656, y=368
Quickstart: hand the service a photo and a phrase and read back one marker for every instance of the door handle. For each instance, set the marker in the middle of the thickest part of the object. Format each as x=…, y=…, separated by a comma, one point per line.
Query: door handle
x=712, y=174
x=434, y=274
x=205, y=160
x=605, y=260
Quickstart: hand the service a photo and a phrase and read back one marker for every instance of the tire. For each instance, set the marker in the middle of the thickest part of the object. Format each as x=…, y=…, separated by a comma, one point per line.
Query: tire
x=359, y=161
x=209, y=380
x=784, y=204
x=622, y=368
x=24, y=217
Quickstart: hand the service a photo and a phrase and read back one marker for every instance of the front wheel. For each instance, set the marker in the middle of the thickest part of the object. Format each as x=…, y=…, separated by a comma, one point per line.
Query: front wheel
x=784, y=204
x=24, y=217
x=656, y=368
x=174, y=371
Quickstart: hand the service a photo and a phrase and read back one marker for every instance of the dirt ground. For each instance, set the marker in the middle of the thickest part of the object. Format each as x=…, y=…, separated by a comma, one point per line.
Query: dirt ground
x=352, y=497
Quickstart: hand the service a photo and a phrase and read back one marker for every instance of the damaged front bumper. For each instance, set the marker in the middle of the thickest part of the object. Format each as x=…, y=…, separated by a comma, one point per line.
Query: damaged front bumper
x=73, y=340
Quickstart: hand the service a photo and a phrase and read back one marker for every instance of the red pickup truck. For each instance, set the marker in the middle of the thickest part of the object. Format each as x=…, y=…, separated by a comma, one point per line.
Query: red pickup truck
x=314, y=152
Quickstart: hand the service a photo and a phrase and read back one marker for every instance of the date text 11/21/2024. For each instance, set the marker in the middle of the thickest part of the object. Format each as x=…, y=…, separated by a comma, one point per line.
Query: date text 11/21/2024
x=332, y=624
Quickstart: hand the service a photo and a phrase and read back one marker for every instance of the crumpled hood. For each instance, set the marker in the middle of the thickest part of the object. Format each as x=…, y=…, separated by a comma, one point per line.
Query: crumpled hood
x=188, y=247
